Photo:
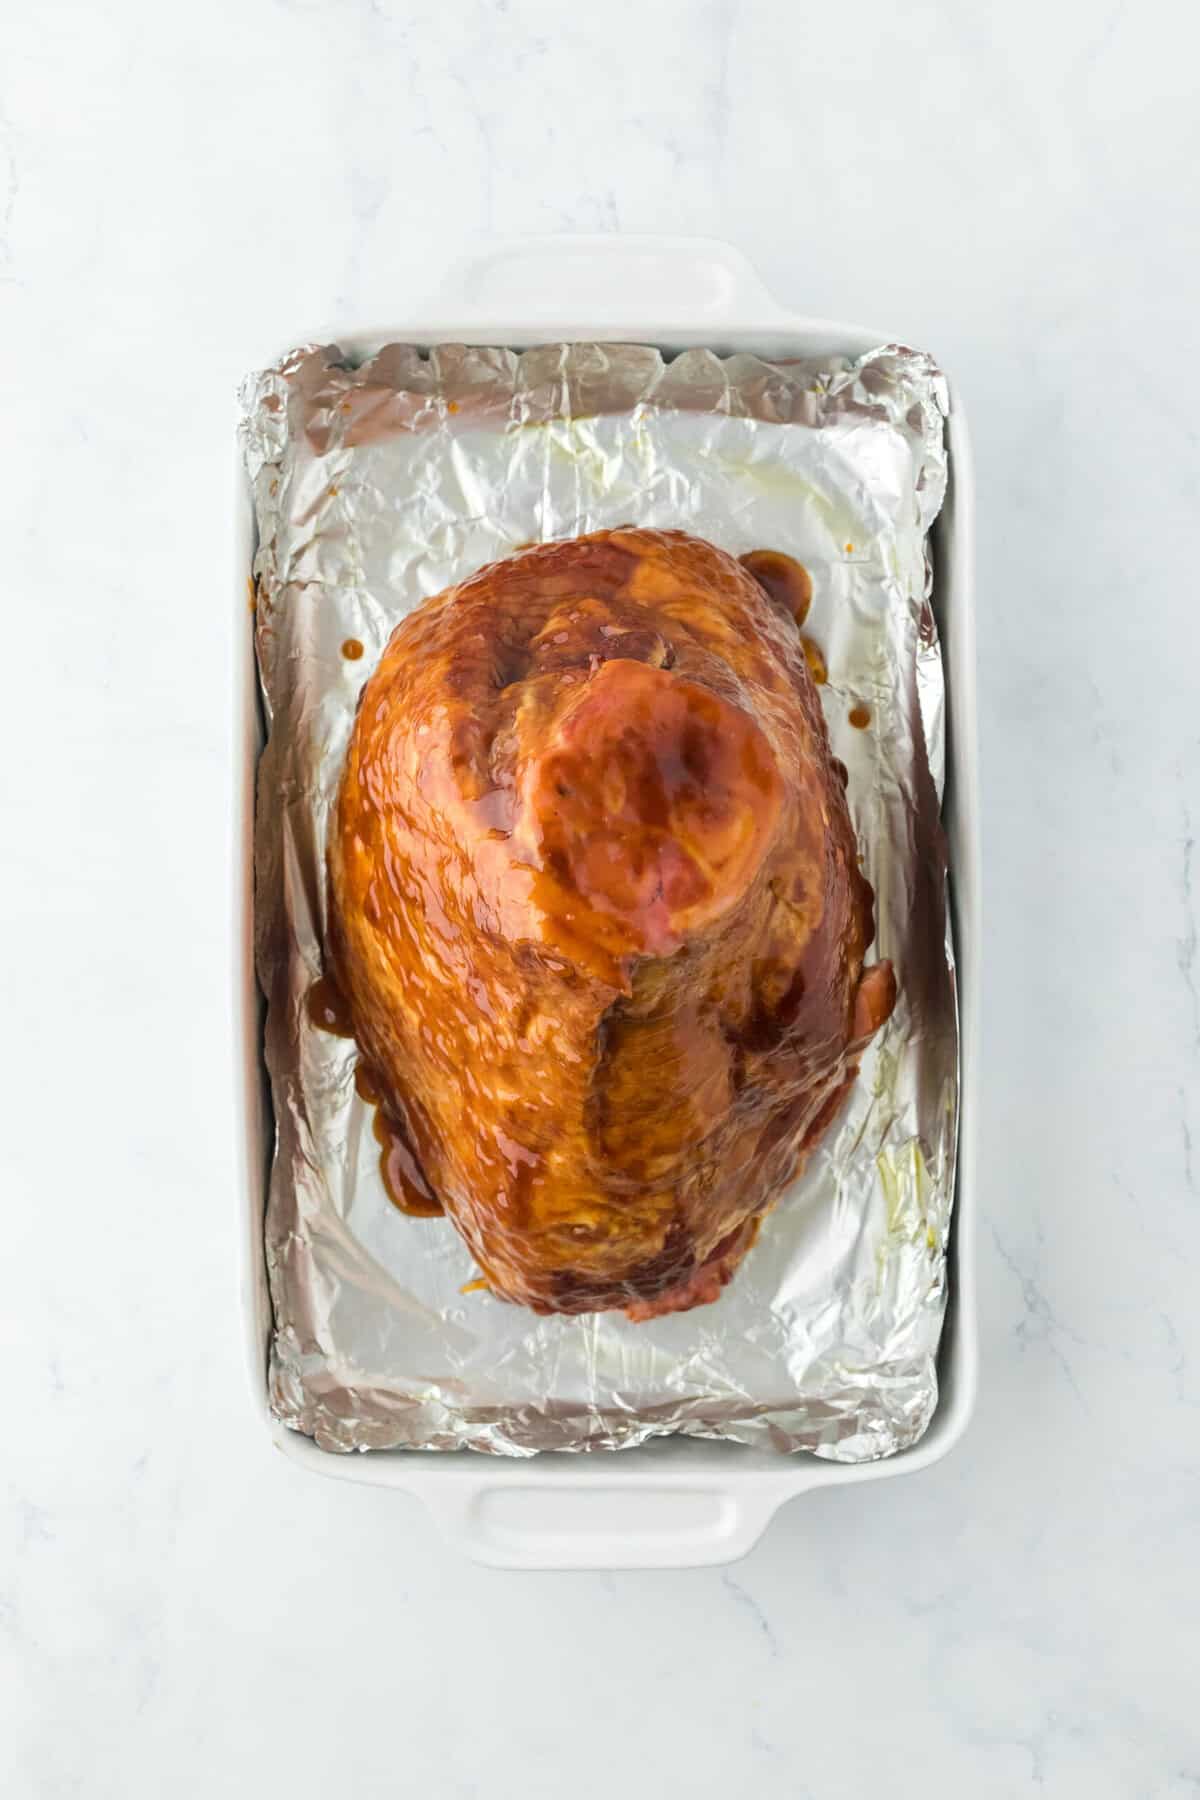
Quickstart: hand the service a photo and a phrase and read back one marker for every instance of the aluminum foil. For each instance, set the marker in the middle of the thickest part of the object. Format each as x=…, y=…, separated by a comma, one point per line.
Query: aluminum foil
x=379, y=485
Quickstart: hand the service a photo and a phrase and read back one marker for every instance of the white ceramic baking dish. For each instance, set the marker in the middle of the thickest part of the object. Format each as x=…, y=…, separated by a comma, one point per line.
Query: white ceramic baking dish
x=673, y=1503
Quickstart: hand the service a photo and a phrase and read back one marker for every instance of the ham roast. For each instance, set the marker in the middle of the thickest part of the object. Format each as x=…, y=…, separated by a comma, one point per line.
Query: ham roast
x=597, y=917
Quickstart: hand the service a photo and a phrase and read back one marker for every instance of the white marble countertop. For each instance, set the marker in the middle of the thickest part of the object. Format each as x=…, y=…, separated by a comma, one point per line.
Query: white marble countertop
x=181, y=190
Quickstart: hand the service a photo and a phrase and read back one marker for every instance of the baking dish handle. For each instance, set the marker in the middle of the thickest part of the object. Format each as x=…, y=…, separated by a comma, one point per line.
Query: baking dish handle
x=606, y=281
x=598, y=1524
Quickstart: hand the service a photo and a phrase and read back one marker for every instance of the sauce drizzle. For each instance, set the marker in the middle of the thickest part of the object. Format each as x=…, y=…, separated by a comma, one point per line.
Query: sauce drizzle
x=407, y=1188
x=328, y=1007
x=815, y=660
x=782, y=579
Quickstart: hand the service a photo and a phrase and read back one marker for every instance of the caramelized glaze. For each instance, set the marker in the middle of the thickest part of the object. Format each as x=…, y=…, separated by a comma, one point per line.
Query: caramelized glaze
x=328, y=1007
x=597, y=910
x=783, y=579
x=403, y=1177
x=815, y=658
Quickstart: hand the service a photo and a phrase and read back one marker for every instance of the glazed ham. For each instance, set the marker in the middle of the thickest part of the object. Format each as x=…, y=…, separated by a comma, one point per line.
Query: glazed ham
x=597, y=916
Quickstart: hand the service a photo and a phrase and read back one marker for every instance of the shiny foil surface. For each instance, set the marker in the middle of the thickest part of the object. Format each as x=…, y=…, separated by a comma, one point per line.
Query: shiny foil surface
x=379, y=485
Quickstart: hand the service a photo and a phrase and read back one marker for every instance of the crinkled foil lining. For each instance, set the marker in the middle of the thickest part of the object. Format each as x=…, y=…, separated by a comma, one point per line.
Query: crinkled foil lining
x=379, y=485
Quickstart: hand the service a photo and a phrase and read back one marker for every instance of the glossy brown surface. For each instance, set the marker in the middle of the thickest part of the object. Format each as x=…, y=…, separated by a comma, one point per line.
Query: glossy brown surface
x=814, y=656
x=352, y=649
x=329, y=1008
x=598, y=916
x=786, y=581
x=403, y=1176
x=859, y=716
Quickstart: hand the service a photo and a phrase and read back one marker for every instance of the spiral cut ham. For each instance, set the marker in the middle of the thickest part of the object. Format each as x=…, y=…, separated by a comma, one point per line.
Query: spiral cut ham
x=597, y=915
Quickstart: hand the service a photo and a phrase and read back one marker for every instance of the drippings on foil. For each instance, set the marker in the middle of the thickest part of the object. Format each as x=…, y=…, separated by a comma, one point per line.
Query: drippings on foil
x=379, y=485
